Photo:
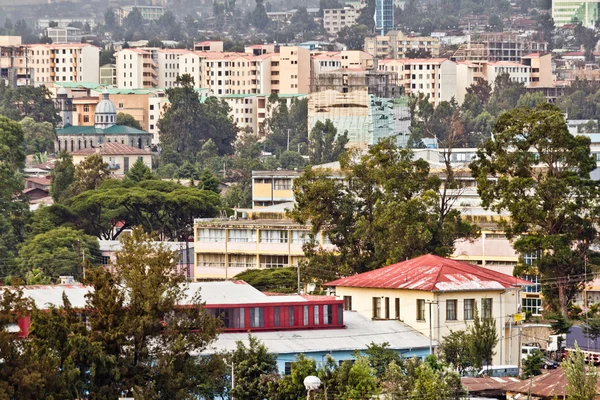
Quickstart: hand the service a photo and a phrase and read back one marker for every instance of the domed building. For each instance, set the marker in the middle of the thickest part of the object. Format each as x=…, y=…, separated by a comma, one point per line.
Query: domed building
x=105, y=130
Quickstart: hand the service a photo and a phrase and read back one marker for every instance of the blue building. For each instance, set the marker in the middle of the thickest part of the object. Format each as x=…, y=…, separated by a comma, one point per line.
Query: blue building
x=384, y=16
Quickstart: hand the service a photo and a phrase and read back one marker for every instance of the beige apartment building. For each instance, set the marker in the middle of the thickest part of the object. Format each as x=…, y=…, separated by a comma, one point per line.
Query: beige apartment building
x=327, y=61
x=15, y=68
x=147, y=68
x=434, y=77
x=72, y=62
x=395, y=45
x=336, y=19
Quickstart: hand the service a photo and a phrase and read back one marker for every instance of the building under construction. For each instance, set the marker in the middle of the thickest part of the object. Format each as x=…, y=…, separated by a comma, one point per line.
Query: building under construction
x=367, y=104
x=498, y=46
x=14, y=63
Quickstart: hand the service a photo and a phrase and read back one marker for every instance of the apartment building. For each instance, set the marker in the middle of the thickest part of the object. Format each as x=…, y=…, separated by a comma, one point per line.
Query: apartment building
x=518, y=72
x=149, y=13
x=75, y=62
x=148, y=67
x=327, y=61
x=540, y=65
x=574, y=11
x=467, y=74
x=384, y=15
x=336, y=19
x=499, y=46
x=108, y=75
x=434, y=77
x=64, y=35
x=15, y=68
x=209, y=45
x=395, y=44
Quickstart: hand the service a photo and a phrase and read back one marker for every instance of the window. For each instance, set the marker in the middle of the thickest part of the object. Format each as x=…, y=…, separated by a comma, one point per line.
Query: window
x=316, y=316
x=244, y=261
x=376, y=307
x=536, y=287
x=420, y=310
x=397, y=308
x=242, y=235
x=305, y=315
x=269, y=236
x=290, y=316
x=486, y=308
x=327, y=314
x=86, y=108
x=469, y=309
x=348, y=303
x=288, y=368
x=387, y=308
x=211, y=235
x=283, y=184
x=86, y=118
x=270, y=261
x=300, y=237
x=451, y=310
x=276, y=316
x=532, y=305
x=257, y=319
x=104, y=260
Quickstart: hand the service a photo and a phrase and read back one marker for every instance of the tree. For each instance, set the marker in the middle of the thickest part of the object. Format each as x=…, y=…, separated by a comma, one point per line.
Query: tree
x=542, y=178
x=582, y=381
x=591, y=329
x=292, y=386
x=587, y=38
x=291, y=160
x=139, y=172
x=128, y=120
x=28, y=101
x=62, y=176
x=39, y=136
x=277, y=280
x=260, y=20
x=12, y=203
x=532, y=365
x=505, y=95
x=531, y=100
x=353, y=36
x=209, y=182
x=455, y=350
x=145, y=346
x=187, y=125
x=495, y=23
x=324, y=143
x=388, y=212
x=380, y=356
x=250, y=363
x=90, y=173
x=483, y=338
x=57, y=252
x=362, y=382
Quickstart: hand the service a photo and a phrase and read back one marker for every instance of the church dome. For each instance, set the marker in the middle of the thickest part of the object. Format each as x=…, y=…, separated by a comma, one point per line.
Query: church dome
x=106, y=112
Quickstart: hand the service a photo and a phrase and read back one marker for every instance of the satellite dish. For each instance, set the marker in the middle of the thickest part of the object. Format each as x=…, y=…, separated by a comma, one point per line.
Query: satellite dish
x=312, y=383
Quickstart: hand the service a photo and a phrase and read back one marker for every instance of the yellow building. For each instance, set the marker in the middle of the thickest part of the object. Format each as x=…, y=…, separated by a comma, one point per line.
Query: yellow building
x=436, y=296
x=270, y=188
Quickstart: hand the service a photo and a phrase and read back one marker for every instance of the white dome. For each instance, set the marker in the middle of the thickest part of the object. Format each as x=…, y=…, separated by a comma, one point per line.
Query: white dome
x=62, y=90
x=106, y=112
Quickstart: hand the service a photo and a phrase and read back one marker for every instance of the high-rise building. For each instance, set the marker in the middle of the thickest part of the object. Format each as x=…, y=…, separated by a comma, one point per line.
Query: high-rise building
x=574, y=11
x=384, y=16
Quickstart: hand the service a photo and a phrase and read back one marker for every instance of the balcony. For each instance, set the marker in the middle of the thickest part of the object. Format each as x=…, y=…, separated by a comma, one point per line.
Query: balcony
x=149, y=70
x=114, y=167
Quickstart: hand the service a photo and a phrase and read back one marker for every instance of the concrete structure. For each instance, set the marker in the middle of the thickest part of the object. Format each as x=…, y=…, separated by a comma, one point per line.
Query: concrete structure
x=518, y=72
x=384, y=16
x=64, y=35
x=76, y=62
x=64, y=106
x=395, y=44
x=574, y=11
x=149, y=13
x=15, y=66
x=44, y=23
x=209, y=45
x=499, y=46
x=271, y=188
x=119, y=157
x=363, y=103
x=335, y=19
x=435, y=296
x=108, y=75
x=434, y=77
x=540, y=65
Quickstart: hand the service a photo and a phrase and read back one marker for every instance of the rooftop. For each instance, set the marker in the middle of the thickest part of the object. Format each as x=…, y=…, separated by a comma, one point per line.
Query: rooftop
x=549, y=385
x=357, y=335
x=262, y=223
x=91, y=130
x=431, y=273
x=112, y=148
x=44, y=180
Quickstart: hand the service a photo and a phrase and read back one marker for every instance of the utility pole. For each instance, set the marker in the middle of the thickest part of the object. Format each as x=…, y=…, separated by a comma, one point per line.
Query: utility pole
x=430, y=302
x=232, y=375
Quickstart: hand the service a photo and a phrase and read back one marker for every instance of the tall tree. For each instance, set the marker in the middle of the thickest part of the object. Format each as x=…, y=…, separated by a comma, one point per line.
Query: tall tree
x=128, y=120
x=63, y=176
x=90, y=173
x=139, y=172
x=39, y=136
x=387, y=212
x=260, y=20
x=250, y=364
x=325, y=145
x=28, y=101
x=582, y=380
x=541, y=176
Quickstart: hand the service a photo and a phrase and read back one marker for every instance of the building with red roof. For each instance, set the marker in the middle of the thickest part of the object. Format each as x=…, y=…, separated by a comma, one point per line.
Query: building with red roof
x=435, y=296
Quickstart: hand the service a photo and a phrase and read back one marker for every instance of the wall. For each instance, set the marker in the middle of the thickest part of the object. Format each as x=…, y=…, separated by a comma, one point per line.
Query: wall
x=503, y=304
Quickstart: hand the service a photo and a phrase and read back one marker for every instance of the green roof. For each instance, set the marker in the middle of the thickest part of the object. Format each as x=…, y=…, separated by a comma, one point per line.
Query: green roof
x=91, y=130
x=87, y=85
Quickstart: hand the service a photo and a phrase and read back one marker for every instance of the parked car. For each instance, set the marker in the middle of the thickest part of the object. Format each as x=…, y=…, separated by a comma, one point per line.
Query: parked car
x=550, y=364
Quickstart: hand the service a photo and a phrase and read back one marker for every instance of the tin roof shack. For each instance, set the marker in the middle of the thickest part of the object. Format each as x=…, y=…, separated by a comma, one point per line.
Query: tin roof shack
x=550, y=385
x=436, y=295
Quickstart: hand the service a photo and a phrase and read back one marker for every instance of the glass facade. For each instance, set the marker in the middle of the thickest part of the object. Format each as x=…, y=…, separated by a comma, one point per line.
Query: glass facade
x=384, y=16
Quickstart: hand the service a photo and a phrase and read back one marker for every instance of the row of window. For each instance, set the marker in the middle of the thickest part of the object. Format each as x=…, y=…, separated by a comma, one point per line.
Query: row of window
x=381, y=308
x=249, y=236
x=279, y=316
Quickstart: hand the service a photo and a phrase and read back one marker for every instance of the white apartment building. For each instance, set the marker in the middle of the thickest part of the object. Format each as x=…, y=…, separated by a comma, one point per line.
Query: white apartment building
x=168, y=66
x=67, y=34
x=336, y=19
x=467, y=74
x=435, y=77
x=77, y=62
x=518, y=72
x=148, y=67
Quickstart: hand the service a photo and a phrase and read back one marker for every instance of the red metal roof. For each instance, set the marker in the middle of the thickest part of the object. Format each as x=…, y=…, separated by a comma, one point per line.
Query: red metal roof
x=431, y=273
x=549, y=385
x=111, y=148
x=44, y=180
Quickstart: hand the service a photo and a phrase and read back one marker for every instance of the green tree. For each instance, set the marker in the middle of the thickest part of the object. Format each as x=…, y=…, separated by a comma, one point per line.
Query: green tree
x=483, y=336
x=505, y=95
x=277, y=280
x=209, y=182
x=389, y=213
x=291, y=160
x=582, y=381
x=90, y=173
x=28, y=101
x=292, y=386
x=63, y=176
x=533, y=189
x=380, y=356
x=591, y=328
x=57, y=252
x=39, y=136
x=455, y=349
x=362, y=382
x=250, y=364
x=128, y=120
x=260, y=20
x=531, y=100
x=325, y=145
x=139, y=172
x=353, y=36
x=532, y=365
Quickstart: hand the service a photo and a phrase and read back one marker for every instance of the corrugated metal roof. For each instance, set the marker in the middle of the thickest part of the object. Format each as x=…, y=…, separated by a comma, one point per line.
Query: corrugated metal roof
x=358, y=333
x=486, y=383
x=111, y=148
x=548, y=385
x=431, y=273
